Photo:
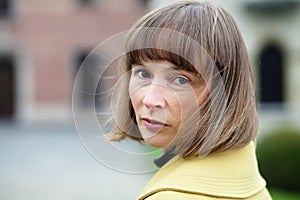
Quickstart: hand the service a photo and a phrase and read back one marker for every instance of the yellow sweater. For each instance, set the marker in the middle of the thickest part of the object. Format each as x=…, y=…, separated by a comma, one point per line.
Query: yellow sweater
x=227, y=175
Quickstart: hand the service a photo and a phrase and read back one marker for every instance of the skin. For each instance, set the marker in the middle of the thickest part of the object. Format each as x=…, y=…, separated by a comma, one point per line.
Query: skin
x=162, y=95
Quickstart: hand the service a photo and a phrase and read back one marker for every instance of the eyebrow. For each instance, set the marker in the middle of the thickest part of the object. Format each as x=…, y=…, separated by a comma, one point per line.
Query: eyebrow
x=172, y=67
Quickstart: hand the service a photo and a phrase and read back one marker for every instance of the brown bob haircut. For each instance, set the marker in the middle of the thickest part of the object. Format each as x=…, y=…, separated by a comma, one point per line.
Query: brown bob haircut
x=228, y=117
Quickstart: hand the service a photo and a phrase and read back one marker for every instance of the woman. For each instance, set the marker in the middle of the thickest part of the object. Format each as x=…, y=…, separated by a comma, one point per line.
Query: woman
x=186, y=86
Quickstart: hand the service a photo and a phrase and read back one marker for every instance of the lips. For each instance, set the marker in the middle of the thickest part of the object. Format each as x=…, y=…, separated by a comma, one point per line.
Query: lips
x=153, y=125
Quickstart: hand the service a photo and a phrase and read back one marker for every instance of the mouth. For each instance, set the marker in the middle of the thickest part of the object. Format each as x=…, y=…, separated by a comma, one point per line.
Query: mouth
x=154, y=125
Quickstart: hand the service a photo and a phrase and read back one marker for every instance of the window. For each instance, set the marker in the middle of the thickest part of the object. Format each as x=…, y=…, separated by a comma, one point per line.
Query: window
x=144, y=3
x=271, y=75
x=5, y=8
x=7, y=87
x=88, y=65
x=86, y=2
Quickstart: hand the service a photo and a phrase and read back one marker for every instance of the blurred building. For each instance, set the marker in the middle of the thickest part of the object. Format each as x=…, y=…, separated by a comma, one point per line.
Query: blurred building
x=271, y=30
x=42, y=44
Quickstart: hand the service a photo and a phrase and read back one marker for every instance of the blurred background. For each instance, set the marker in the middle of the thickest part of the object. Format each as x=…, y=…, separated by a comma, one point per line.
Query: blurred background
x=42, y=45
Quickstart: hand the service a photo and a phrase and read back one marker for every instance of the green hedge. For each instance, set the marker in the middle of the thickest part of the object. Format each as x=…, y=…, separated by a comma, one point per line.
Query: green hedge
x=278, y=156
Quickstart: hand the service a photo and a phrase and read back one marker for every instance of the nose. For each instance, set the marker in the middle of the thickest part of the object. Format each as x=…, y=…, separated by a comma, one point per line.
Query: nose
x=155, y=97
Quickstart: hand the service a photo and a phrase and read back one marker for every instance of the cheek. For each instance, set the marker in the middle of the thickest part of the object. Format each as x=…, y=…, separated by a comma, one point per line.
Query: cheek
x=135, y=95
x=175, y=108
x=134, y=100
x=187, y=105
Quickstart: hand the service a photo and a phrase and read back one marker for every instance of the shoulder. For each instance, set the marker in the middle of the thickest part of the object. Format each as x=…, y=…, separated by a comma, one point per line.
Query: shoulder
x=232, y=174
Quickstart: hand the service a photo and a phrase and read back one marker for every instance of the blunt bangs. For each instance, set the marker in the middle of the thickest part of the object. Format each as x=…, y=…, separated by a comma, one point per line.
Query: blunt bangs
x=156, y=44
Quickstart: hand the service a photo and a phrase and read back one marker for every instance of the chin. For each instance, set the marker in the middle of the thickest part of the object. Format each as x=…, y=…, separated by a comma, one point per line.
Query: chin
x=155, y=142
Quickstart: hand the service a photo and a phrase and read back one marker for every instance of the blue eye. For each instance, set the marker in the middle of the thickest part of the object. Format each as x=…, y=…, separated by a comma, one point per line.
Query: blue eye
x=181, y=80
x=143, y=74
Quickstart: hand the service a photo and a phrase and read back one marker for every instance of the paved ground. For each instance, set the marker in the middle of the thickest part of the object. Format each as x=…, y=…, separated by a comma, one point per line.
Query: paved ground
x=50, y=163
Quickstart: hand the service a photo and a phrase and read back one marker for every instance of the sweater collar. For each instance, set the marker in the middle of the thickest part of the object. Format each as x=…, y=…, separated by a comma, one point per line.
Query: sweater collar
x=232, y=174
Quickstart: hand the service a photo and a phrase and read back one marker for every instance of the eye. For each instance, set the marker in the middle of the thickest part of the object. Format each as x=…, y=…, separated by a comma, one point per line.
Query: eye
x=181, y=80
x=143, y=74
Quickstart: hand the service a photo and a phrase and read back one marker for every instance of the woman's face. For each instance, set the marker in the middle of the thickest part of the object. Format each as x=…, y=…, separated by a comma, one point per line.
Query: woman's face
x=163, y=96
